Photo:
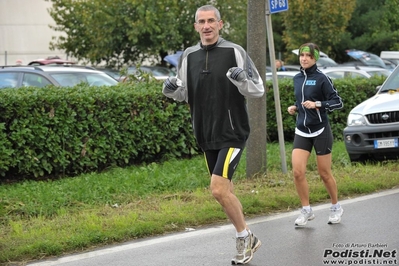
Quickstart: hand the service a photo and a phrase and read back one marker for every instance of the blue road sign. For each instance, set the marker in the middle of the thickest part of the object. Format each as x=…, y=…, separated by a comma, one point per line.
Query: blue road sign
x=278, y=5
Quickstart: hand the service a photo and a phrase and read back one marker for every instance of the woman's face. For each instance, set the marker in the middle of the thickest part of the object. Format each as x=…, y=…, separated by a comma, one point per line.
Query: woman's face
x=306, y=59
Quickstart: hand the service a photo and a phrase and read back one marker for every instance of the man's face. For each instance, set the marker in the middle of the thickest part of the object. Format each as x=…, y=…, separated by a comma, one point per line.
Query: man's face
x=208, y=27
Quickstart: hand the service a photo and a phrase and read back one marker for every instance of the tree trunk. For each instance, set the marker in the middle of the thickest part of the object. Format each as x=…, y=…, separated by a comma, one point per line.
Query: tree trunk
x=256, y=43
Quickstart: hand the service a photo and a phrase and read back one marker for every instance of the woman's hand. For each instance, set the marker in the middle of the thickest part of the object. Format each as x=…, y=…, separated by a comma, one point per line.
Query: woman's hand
x=309, y=105
x=291, y=110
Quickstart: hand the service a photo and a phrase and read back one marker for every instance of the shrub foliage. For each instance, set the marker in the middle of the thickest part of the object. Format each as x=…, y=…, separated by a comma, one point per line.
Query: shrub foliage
x=69, y=131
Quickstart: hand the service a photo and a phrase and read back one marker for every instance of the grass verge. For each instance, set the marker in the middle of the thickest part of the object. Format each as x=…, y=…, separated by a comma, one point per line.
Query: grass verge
x=55, y=217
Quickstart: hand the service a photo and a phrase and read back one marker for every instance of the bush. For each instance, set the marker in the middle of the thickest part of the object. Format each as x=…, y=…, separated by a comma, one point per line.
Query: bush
x=69, y=131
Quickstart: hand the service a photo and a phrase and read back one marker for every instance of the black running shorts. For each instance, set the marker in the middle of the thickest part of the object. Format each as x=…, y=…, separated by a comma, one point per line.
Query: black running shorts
x=321, y=143
x=223, y=162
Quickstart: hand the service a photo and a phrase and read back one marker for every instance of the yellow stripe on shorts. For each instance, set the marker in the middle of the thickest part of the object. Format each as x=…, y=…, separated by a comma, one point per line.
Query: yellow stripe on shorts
x=227, y=163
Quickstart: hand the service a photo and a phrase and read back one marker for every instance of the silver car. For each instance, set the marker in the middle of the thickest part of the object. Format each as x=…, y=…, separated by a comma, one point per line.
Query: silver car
x=64, y=76
x=354, y=72
x=282, y=74
x=372, y=130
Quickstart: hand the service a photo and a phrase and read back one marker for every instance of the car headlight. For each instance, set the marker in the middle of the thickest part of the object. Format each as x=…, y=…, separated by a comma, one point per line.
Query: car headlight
x=356, y=120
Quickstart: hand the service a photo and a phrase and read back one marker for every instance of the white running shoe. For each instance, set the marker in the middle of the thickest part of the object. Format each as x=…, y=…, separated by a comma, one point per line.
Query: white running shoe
x=304, y=217
x=335, y=215
x=246, y=248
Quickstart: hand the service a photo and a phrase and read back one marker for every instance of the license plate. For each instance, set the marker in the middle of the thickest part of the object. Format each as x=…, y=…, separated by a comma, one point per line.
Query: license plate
x=385, y=143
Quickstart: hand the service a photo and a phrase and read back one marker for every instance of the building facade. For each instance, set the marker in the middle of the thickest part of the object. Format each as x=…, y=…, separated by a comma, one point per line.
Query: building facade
x=25, y=34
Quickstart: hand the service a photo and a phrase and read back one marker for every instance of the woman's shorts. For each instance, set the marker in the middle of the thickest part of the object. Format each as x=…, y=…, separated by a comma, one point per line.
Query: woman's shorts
x=321, y=143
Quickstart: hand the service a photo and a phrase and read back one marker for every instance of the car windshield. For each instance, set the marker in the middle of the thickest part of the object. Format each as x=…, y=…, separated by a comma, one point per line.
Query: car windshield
x=373, y=60
x=326, y=62
x=161, y=71
x=345, y=74
x=154, y=70
x=382, y=72
x=93, y=79
x=368, y=59
x=392, y=82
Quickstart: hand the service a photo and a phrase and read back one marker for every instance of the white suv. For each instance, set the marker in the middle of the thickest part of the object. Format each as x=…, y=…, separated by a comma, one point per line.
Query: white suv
x=372, y=130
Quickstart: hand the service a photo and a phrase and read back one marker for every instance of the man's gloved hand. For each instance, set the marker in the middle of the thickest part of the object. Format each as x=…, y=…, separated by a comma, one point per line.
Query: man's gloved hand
x=171, y=84
x=237, y=74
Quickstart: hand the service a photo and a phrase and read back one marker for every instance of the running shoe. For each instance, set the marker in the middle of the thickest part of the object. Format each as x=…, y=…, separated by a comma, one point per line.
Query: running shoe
x=256, y=243
x=335, y=215
x=304, y=217
x=245, y=249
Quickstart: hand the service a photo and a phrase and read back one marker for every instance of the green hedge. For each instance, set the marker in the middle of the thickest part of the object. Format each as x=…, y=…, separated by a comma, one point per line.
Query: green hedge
x=69, y=131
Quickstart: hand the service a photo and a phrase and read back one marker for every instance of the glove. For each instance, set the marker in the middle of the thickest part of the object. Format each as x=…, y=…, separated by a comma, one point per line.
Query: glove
x=237, y=74
x=171, y=84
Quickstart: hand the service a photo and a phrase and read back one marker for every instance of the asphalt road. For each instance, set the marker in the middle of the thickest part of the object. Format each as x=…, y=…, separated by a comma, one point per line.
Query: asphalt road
x=367, y=235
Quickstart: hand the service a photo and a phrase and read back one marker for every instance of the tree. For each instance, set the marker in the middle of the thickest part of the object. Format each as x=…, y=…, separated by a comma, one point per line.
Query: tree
x=113, y=31
x=322, y=22
x=256, y=146
x=123, y=32
x=374, y=26
x=278, y=29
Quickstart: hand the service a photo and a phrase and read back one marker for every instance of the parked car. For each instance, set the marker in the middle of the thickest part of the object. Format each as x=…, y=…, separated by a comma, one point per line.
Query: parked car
x=362, y=58
x=354, y=72
x=326, y=62
x=116, y=74
x=41, y=76
x=159, y=72
x=287, y=68
x=292, y=67
x=54, y=60
x=389, y=63
x=282, y=74
x=173, y=59
x=372, y=130
x=390, y=58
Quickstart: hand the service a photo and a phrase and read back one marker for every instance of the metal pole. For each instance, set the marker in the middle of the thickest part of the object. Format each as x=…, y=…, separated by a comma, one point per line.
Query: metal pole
x=275, y=87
